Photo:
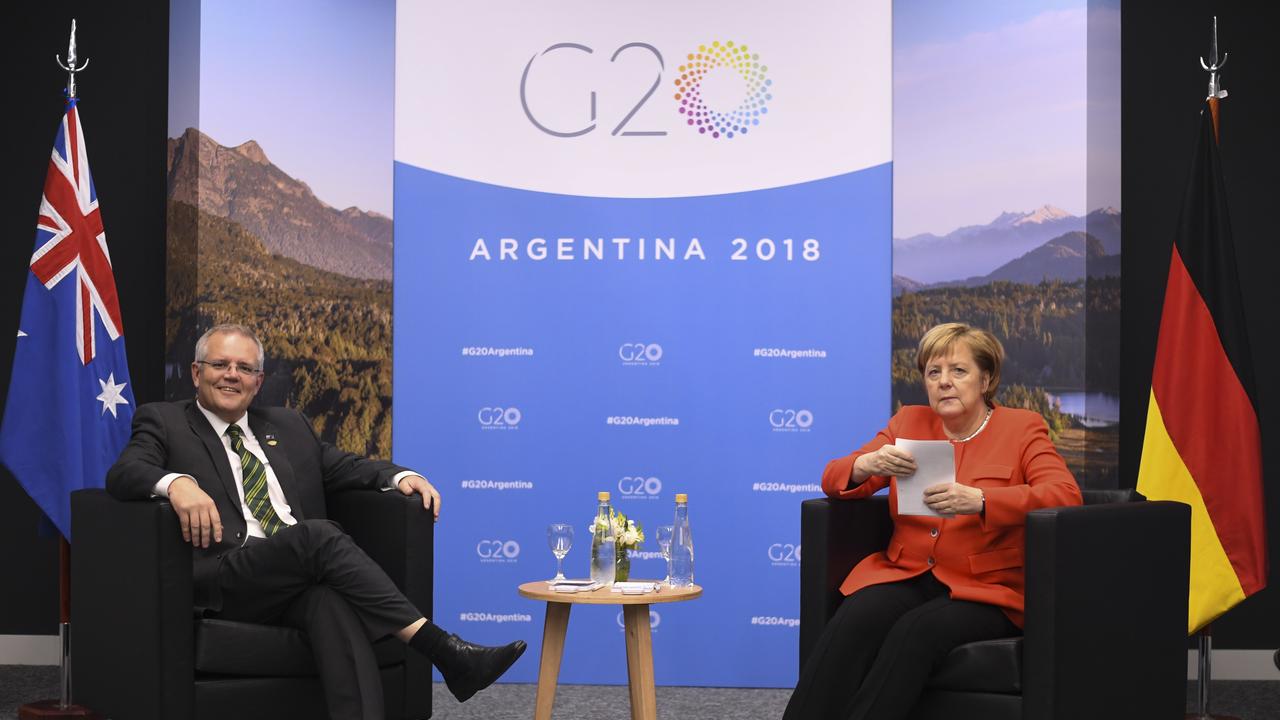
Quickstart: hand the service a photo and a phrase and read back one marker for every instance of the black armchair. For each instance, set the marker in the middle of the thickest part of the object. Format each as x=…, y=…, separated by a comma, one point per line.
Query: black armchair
x=141, y=654
x=1106, y=610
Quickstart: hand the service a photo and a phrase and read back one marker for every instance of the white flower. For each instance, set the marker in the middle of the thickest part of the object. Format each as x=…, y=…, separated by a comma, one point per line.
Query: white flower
x=630, y=537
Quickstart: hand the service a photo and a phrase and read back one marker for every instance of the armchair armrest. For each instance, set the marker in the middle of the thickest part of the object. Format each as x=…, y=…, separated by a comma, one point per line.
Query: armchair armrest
x=132, y=607
x=398, y=533
x=835, y=535
x=1106, y=610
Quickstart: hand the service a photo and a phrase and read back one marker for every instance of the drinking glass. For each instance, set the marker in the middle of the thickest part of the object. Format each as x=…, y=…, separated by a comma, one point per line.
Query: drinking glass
x=663, y=534
x=560, y=540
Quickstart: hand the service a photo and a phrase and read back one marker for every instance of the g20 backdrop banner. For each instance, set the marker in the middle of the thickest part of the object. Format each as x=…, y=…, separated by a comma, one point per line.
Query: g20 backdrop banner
x=643, y=249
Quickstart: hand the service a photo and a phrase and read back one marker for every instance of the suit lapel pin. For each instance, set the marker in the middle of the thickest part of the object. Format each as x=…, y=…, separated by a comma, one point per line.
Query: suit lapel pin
x=271, y=440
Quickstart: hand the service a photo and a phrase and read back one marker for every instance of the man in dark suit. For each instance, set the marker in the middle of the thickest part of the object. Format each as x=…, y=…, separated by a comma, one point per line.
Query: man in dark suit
x=248, y=486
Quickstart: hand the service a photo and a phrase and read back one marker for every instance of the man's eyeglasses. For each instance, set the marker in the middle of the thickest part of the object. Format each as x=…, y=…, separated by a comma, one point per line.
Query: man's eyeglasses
x=224, y=365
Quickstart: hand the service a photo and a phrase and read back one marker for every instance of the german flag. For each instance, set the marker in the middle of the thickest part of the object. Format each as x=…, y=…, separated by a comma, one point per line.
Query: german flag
x=1202, y=445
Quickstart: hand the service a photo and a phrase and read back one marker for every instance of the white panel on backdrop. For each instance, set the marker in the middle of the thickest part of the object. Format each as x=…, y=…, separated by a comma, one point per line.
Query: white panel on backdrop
x=459, y=107
x=688, y=308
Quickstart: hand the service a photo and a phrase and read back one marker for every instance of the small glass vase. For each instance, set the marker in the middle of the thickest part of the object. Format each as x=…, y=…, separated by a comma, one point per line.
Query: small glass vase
x=622, y=566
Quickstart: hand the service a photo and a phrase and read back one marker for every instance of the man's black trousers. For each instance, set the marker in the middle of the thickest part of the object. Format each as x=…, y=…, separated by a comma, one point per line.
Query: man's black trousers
x=312, y=576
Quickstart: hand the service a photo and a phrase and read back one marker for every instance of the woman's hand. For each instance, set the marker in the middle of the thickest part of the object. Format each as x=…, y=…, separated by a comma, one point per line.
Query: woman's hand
x=954, y=499
x=888, y=461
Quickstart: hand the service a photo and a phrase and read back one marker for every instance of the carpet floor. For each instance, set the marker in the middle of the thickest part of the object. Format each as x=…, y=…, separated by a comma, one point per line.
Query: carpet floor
x=1246, y=700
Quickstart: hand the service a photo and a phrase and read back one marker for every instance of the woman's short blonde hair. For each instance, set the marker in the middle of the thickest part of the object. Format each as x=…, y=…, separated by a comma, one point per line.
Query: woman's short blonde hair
x=987, y=350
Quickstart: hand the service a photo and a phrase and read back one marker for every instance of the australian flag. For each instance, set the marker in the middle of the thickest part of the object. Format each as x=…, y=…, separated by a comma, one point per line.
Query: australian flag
x=70, y=403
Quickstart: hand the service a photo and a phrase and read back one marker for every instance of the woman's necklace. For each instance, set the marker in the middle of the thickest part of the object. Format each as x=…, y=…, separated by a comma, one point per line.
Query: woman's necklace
x=974, y=434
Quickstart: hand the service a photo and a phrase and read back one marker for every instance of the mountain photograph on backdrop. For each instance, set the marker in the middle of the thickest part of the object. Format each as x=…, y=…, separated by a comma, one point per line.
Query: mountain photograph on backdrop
x=1036, y=279
x=1045, y=243
x=250, y=244
x=1006, y=211
x=280, y=202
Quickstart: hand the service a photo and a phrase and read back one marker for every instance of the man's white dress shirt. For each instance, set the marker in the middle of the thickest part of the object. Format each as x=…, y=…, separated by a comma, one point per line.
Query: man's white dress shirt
x=274, y=492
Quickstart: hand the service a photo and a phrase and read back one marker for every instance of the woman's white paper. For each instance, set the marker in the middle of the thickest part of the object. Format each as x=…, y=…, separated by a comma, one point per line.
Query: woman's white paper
x=935, y=463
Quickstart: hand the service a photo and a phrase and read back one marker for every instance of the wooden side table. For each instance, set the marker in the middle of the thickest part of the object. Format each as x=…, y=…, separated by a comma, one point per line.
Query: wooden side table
x=635, y=612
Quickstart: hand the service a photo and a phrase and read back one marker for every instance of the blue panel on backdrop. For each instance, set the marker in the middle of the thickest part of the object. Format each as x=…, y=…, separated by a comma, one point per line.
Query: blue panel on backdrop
x=551, y=346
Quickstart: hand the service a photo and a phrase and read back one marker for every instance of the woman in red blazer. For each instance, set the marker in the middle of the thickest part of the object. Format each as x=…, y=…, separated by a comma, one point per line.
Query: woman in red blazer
x=943, y=581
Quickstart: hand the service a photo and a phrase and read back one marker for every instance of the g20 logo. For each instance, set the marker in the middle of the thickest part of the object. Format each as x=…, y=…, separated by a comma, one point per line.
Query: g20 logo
x=640, y=352
x=503, y=550
x=784, y=553
x=791, y=419
x=638, y=486
x=724, y=117
x=499, y=417
x=727, y=122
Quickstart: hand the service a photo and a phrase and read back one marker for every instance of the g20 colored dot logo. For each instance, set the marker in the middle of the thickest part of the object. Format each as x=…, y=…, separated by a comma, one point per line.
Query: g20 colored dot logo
x=723, y=123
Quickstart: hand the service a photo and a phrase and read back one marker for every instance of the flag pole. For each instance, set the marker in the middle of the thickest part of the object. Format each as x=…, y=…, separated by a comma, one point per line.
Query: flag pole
x=64, y=621
x=1204, y=636
x=1204, y=673
x=63, y=707
x=1204, y=669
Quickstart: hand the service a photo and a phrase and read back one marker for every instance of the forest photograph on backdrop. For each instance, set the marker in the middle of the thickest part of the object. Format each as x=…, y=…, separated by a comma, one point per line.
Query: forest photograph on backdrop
x=282, y=220
x=1038, y=305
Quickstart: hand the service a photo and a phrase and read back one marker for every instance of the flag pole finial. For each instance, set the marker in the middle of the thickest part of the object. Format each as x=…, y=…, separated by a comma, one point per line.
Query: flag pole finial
x=1214, y=65
x=70, y=65
x=1216, y=91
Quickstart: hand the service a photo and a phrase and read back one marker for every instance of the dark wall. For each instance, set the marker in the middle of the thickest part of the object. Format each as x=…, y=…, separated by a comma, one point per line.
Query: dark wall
x=1163, y=87
x=123, y=100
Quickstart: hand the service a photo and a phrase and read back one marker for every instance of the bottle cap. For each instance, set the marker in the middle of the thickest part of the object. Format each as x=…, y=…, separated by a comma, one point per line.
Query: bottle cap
x=603, y=496
x=682, y=498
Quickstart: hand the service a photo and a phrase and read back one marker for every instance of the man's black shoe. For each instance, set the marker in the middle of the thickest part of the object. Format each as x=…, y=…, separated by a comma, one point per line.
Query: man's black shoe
x=469, y=668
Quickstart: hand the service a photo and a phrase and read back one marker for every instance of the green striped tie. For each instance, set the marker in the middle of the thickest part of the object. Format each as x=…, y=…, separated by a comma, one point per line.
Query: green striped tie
x=255, y=484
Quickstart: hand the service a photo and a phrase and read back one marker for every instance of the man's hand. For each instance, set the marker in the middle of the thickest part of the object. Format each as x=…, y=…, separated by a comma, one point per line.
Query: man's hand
x=410, y=484
x=196, y=512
